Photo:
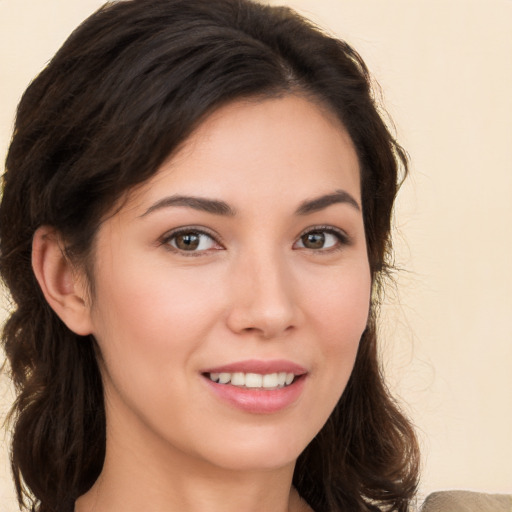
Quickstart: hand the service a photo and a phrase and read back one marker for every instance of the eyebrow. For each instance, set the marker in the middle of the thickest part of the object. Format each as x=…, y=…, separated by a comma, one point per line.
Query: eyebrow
x=218, y=207
x=322, y=202
x=214, y=206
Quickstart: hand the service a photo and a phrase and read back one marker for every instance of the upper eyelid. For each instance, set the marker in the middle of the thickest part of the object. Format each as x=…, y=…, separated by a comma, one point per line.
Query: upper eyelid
x=190, y=229
x=328, y=228
x=218, y=239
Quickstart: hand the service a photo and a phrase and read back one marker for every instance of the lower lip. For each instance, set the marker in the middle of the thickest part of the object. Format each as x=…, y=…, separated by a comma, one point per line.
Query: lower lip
x=258, y=401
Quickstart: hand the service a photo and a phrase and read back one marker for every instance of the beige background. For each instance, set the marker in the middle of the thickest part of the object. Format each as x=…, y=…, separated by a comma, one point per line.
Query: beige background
x=445, y=67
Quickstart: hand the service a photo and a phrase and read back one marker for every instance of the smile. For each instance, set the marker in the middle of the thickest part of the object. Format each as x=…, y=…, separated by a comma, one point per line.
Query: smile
x=253, y=380
x=257, y=386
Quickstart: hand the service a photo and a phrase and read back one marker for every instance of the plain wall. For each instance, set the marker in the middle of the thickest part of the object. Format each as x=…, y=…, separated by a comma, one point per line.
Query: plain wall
x=445, y=67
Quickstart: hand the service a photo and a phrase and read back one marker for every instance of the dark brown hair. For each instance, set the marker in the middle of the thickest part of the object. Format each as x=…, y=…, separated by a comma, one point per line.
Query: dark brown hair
x=124, y=91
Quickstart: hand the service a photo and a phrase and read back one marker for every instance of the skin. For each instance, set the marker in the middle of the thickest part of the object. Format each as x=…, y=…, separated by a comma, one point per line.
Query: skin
x=254, y=289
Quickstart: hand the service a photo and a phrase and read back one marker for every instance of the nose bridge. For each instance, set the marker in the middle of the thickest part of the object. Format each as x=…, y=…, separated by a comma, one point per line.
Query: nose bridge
x=263, y=297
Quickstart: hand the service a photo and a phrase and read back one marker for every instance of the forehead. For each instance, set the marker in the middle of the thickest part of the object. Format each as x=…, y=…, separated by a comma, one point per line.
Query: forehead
x=255, y=149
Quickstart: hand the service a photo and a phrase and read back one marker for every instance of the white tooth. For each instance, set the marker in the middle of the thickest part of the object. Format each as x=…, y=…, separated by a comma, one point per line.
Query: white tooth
x=224, y=378
x=214, y=377
x=289, y=378
x=253, y=380
x=238, y=379
x=270, y=380
x=281, y=378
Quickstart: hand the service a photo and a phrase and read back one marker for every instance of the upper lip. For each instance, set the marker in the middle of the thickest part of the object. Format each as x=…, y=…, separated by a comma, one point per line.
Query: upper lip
x=259, y=366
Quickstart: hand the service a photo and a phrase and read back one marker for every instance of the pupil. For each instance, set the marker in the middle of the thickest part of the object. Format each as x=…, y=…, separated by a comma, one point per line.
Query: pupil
x=315, y=240
x=187, y=242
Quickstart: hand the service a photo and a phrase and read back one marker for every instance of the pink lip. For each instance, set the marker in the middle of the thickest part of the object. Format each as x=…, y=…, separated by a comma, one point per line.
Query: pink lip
x=259, y=366
x=258, y=401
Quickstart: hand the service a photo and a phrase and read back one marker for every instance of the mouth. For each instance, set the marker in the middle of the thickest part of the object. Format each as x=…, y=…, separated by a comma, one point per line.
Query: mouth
x=267, y=381
x=257, y=387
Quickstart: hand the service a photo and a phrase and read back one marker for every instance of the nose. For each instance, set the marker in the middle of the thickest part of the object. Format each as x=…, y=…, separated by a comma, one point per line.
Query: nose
x=263, y=299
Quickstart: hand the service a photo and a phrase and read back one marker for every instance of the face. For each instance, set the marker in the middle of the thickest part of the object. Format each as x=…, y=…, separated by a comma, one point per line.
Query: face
x=232, y=289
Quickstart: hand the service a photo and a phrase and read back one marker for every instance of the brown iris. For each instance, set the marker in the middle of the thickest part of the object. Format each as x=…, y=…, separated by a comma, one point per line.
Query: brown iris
x=313, y=240
x=187, y=241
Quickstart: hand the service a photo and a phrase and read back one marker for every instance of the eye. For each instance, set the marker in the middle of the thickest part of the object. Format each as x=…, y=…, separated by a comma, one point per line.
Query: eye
x=321, y=239
x=190, y=240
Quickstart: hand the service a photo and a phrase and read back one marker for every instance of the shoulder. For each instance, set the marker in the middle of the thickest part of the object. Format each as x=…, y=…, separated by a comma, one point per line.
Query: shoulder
x=467, y=501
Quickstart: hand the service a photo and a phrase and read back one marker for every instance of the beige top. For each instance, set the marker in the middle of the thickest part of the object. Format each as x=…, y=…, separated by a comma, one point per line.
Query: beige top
x=467, y=501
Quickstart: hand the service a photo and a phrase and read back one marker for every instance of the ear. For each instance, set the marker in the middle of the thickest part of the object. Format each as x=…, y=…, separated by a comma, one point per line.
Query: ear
x=63, y=287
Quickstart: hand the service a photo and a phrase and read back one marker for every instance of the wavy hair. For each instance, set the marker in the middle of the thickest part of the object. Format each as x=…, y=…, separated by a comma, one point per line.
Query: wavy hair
x=125, y=90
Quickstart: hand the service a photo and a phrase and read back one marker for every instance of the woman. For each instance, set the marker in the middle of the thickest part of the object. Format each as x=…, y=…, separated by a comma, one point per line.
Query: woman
x=194, y=229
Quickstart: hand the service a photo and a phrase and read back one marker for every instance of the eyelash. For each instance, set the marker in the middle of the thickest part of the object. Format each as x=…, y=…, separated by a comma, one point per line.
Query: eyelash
x=188, y=230
x=342, y=239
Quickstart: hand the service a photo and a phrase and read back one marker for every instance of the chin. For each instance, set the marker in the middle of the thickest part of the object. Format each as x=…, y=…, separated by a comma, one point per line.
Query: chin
x=255, y=460
x=264, y=450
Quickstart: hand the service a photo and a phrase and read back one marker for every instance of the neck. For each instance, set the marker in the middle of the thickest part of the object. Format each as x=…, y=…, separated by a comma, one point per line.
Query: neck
x=154, y=476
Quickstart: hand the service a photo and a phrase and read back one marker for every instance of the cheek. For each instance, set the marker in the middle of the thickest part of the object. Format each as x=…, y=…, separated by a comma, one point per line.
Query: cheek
x=340, y=306
x=338, y=317
x=152, y=320
x=149, y=328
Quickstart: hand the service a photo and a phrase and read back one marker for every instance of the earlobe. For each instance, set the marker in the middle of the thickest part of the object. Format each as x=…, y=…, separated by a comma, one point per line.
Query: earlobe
x=61, y=285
